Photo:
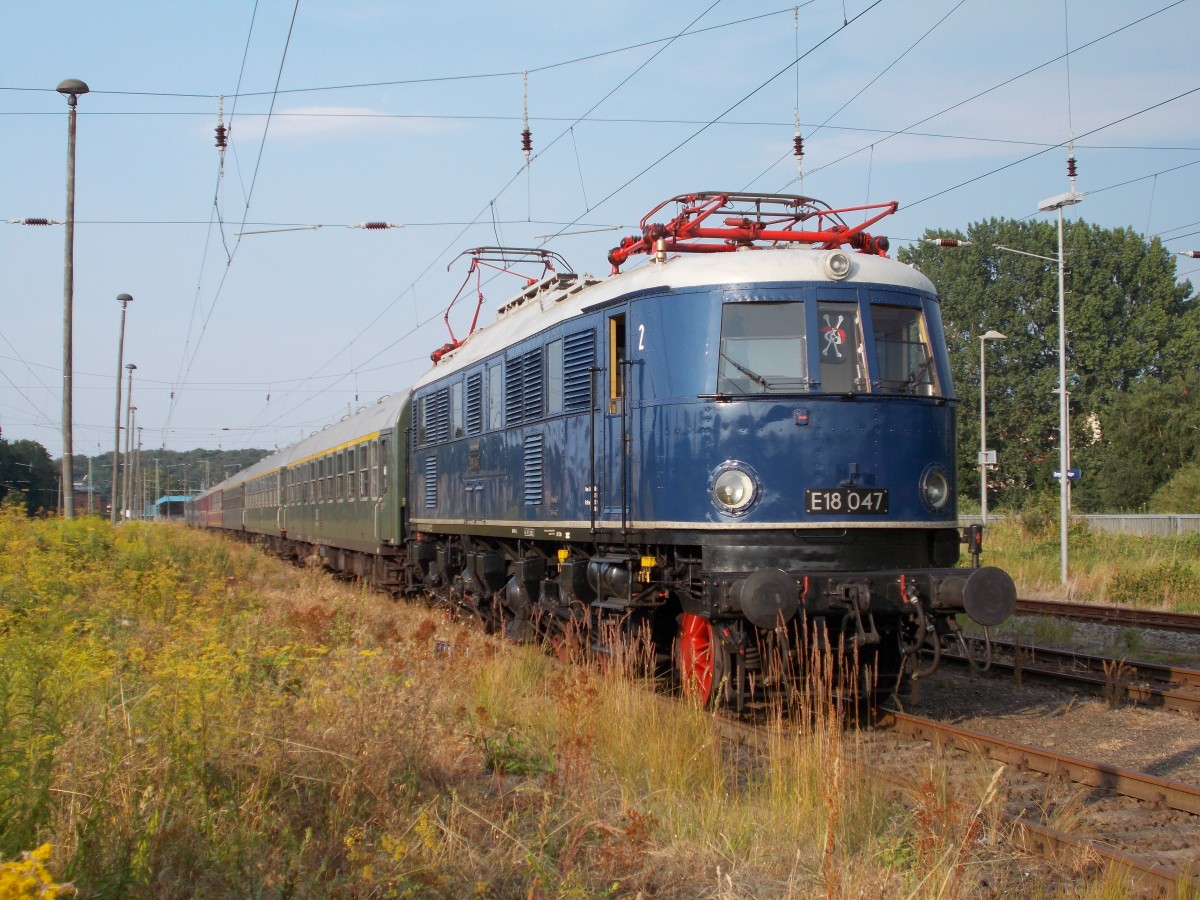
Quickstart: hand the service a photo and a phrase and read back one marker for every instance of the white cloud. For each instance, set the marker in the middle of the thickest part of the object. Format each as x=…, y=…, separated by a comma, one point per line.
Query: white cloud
x=303, y=122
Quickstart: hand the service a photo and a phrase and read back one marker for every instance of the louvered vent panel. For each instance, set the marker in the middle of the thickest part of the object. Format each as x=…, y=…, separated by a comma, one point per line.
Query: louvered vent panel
x=431, y=482
x=514, y=394
x=534, y=469
x=475, y=403
x=579, y=355
x=439, y=412
x=533, y=384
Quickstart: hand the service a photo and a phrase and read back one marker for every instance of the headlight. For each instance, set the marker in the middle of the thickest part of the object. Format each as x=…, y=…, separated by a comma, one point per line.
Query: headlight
x=935, y=488
x=733, y=487
x=837, y=264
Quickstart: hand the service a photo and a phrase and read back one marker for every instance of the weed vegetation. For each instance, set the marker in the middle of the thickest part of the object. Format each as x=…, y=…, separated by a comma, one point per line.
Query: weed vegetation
x=185, y=717
x=1153, y=572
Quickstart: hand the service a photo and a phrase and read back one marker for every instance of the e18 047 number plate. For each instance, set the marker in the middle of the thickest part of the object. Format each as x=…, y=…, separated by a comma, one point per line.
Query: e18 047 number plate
x=846, y=501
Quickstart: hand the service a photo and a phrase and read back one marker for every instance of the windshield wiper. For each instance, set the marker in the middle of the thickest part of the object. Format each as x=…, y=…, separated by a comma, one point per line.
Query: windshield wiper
x=918, y=377
x=749, y=373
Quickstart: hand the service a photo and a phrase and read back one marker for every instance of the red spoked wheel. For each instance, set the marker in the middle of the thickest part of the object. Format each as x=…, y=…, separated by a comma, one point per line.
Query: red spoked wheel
x=699, y=655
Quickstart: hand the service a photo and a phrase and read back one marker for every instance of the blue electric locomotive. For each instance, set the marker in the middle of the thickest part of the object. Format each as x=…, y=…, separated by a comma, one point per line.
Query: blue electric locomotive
x=747, y=441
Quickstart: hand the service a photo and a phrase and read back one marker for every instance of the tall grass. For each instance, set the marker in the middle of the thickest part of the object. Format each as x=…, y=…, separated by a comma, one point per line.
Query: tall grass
x=185, y=717
x=1103, y=567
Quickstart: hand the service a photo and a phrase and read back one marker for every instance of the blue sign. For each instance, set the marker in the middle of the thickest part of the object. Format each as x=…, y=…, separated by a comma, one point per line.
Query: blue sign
x=1072, y=474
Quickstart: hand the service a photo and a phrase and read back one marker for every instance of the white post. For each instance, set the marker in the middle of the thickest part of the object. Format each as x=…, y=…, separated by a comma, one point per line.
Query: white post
x=983, y=459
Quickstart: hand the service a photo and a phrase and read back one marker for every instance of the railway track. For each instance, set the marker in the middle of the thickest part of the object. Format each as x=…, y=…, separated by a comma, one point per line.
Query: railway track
x=1111, y=615
x=1058, y=806
x=1149, y=826
x=1148, y=684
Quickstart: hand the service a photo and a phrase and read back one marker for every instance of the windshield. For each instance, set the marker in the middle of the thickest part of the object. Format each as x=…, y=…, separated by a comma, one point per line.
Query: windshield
x=763, y=348
x=902, y=348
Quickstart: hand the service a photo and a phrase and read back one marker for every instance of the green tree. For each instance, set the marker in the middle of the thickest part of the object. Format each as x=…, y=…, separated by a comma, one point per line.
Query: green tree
x=180, y=472
x=1181, y=494
x=1129, y=322
x=27, y=470
x=1150, y=435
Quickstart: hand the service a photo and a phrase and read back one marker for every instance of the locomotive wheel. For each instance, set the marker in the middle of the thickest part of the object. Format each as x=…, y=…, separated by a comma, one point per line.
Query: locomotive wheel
x=700, y=661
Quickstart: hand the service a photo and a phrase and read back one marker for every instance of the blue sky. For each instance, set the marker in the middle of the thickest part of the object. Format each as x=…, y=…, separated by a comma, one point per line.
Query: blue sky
x=412, y=113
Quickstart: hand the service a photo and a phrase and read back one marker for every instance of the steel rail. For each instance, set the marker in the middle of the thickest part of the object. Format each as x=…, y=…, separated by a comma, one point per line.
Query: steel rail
x=1164, y=879
x=1149, y=875
x=1156, y=877
x=1167, y=687
x=1111, y=615
x=1125, y=782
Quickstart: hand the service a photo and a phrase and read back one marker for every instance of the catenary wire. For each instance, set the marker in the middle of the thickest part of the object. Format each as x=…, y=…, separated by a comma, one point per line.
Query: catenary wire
x=491, y=203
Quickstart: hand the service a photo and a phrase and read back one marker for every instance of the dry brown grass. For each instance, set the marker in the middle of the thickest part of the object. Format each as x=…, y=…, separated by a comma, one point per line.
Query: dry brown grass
x=189, y=718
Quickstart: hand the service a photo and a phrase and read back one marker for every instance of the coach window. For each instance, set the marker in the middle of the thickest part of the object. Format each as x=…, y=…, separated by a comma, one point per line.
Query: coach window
x=554, y=377
x=339, y=490
x=764, y=348
x=495, y=396
x=351, y=474
x=364, y=472
x=843, y=370
x=383, y=466
x=902, y=348
x=616, y=363
x=374, y=470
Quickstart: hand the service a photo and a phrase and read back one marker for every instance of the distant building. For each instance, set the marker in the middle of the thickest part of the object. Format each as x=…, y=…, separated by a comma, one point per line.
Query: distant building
x=171, y=507
x=89, y=501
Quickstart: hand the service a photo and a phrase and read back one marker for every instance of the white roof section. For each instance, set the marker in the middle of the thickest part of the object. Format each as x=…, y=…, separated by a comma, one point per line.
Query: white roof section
x=554, y=300
x=365, y=424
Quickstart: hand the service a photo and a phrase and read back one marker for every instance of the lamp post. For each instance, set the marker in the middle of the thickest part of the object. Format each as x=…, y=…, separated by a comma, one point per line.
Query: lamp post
x=130, y=368
x=1070, y=198
x=71, y=89
x=139, y=481
x=124, y=300
x=983, y=454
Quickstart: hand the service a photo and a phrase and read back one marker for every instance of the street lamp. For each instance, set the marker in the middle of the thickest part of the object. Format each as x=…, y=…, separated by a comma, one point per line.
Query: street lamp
x=124, y=300
x=138, y=481
x=129, y=367
x=1070, y=198
x=984, y=462
x=131, y=464
x=71, y=89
